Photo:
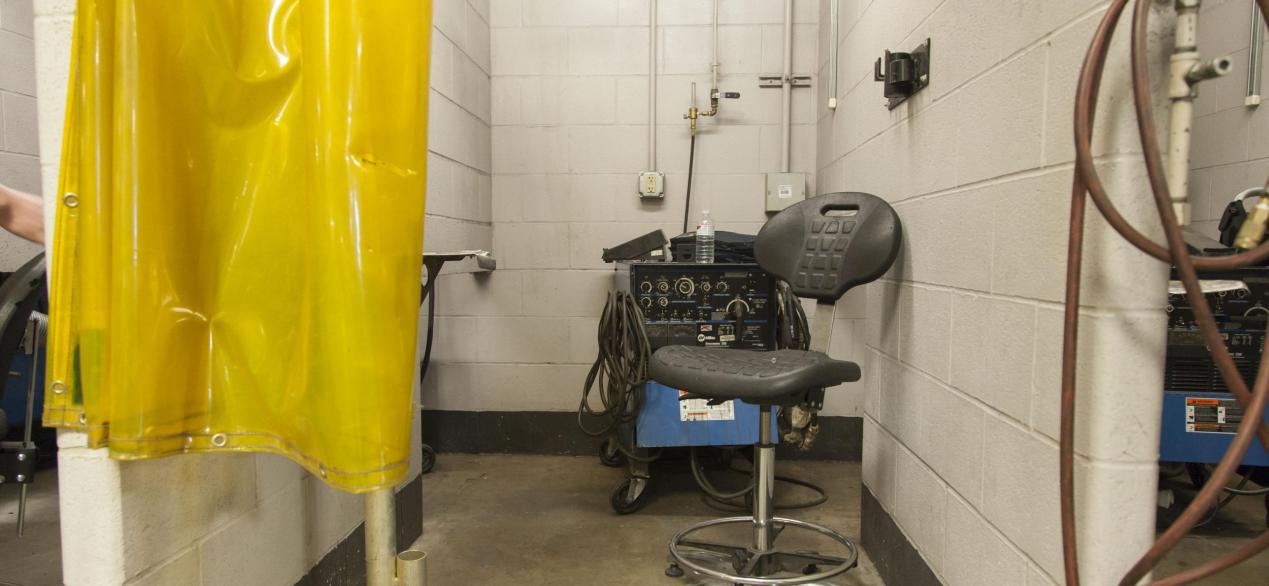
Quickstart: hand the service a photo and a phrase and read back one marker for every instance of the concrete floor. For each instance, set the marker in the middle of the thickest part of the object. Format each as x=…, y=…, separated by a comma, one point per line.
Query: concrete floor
x=527, y=520
x=1239, y=521
x=36, y=558
x=503, y=520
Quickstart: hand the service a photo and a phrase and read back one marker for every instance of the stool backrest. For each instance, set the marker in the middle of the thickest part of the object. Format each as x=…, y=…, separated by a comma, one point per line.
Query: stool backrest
x=827, y=244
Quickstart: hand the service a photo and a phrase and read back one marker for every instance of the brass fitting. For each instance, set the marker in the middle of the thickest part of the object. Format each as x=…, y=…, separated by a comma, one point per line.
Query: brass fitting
x=1253, y=230
x=713, y=103
x=692, y=114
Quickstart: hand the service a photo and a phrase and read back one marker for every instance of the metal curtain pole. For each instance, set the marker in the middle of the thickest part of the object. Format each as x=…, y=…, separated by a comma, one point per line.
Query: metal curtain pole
x=384, y=566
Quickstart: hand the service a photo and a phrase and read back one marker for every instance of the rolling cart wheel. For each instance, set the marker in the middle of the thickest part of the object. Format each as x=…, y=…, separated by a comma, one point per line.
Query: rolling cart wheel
x=429, y=458
x=616, y=459
x=621, y=502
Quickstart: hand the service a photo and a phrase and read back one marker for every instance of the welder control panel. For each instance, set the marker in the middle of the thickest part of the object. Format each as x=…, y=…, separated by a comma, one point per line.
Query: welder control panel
x=726, y=305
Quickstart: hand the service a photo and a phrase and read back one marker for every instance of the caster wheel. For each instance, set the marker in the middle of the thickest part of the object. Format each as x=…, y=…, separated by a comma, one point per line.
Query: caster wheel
x=615, y=459
x=810, y=569
x=621, y=502
x=674, y=571
x=429, y=458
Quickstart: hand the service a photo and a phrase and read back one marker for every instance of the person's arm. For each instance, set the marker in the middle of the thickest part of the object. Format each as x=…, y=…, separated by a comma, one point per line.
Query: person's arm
x=22, y=214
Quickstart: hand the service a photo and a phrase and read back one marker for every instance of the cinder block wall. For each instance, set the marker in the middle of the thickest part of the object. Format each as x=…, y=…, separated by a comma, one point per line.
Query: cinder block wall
x=237, y=518
x=570, y=115
x=1230, y=153
x=19, y=138
x=964, y=334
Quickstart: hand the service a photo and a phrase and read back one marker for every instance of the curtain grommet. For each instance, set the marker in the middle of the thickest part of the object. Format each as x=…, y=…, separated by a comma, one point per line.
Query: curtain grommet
x=219, y=440
x=58, y=387
x=83, y=418
x=70, y=200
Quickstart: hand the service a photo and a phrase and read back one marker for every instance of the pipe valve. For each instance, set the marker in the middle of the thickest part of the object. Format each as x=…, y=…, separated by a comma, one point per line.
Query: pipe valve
x=1253, y=230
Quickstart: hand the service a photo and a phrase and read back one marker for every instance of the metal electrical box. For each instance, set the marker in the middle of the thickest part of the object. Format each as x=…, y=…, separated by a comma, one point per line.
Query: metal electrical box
x=784, y=190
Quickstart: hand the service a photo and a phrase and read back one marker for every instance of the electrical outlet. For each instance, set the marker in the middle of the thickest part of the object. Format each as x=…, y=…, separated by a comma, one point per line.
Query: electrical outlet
x=652, y=184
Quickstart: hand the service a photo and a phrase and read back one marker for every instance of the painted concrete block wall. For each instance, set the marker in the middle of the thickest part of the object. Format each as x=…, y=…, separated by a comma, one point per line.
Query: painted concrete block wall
x=963, y=336
x=19, y=136
x=570, y=135
x=1229, y=151
x=242, y=519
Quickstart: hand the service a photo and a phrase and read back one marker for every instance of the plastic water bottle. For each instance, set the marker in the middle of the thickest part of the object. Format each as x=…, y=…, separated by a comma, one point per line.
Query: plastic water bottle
x=705, y=240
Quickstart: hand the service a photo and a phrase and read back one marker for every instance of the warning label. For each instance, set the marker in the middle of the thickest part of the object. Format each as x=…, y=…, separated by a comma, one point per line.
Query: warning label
x=1209, y=415
x=701, y=410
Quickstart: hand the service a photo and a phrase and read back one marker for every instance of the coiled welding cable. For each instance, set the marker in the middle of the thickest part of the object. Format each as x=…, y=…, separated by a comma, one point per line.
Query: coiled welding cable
x=1086, y=181
x=619, y=371
x=726, y=500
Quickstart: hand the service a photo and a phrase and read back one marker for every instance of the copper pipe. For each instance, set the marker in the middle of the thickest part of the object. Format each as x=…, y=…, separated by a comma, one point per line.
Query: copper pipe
x=1087, y=181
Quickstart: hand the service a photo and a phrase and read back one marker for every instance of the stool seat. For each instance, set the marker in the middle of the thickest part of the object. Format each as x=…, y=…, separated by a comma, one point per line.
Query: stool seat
x=761, y=378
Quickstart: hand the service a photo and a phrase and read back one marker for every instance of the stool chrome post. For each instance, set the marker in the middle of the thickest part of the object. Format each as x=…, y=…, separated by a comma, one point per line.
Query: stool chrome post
x=764, y=484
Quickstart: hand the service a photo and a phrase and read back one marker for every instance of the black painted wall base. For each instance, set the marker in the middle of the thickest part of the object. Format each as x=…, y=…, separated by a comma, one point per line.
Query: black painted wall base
x=897, y=561
x=556, y=432
x=345, y=565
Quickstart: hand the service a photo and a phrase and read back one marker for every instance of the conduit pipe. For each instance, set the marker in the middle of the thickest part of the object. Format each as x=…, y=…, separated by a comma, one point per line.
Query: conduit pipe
x=713, y=66
x=1187, y=70
x=786, y=90
x=1087, y=182
x=834, y=14
x=652, y=85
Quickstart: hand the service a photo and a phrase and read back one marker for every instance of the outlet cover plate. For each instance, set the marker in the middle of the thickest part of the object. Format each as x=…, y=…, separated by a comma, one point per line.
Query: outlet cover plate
x=652, y=185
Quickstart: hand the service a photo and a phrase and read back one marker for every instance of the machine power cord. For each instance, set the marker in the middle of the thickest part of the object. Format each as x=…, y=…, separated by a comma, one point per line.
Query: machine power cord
x=724, y=500
x=687, y=199
x=1087, y=182
x=431, y=321
x=619, y=371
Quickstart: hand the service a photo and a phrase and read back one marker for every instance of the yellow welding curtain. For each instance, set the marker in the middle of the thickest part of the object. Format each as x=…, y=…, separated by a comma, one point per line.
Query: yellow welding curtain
x=236, y=262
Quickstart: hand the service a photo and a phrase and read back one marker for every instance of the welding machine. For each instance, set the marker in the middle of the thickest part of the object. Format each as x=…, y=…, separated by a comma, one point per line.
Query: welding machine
x=732, y=305
x=1200, y=415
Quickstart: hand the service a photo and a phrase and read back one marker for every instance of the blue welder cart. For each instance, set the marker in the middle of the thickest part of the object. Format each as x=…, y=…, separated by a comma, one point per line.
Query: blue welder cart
x=1198, y=428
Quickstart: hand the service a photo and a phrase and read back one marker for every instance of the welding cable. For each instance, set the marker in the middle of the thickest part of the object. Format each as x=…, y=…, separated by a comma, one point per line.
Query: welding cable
x=1224, y=501
x=795, y=332
x=1241, y=492
x=619, y=372
x=1087, y=182
x=718, y=499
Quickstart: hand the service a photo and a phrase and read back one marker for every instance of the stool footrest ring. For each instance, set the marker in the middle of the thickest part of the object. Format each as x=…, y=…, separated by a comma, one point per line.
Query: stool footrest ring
x=751, y=566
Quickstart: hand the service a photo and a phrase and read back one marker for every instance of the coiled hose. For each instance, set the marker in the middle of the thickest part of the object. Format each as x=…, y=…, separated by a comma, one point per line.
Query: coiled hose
x=1087, y=182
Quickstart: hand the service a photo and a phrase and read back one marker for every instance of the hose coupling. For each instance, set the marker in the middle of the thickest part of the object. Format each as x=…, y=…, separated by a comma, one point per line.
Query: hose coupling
x=1253, y=230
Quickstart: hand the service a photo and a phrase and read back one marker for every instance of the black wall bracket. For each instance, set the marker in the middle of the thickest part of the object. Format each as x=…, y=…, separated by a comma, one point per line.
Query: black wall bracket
x=904, y=74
